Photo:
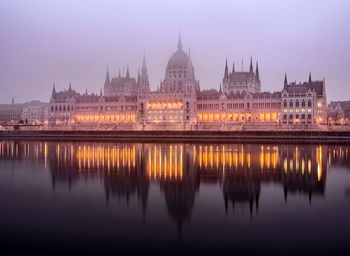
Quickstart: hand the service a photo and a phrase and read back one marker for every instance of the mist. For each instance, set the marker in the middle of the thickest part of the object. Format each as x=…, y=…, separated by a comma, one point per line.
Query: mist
x=46, y=42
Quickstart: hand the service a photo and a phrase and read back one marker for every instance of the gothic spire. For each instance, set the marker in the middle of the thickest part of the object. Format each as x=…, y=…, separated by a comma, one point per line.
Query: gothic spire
x=251, y=65
x=179, y=43
x=53, y=89
x=138, y=76
x=226, y=71
x=285, y=79
x=101, y=92
x=108, y=81
x=127, y=72
x=70, y=86
x=220, y=91
x=144, y=66
x=233, y=67
x=119, y=74
x=310, y=80
x=257, y=71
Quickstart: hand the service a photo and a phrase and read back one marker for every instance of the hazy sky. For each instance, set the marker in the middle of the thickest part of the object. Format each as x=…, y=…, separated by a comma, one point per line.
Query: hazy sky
x=64, y=41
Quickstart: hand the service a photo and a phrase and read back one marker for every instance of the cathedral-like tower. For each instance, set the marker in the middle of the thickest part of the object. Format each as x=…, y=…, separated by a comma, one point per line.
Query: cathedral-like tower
x=143, y=81
x=144, y=90
x=242, y=82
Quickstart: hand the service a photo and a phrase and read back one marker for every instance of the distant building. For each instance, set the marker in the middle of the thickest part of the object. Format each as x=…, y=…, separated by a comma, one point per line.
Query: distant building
x=32, y=112
x=339, y=112
x=10, y=112
x=35, y=112
x=178, y=103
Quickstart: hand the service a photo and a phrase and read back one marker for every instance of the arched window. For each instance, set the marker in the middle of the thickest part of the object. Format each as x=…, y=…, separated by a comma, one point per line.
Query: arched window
x=285, y=104
x=187, y=105
x=309, y=103
x=68, y=108
x=56, y=108
x=60, y=108
x=303, y=103
x=52, y=108
x=64, y=108
x=290, y=103
x=179, y=84
x=297, y=103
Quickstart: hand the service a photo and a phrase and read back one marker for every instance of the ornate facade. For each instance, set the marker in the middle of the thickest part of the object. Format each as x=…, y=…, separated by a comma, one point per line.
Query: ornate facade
x=178, y=103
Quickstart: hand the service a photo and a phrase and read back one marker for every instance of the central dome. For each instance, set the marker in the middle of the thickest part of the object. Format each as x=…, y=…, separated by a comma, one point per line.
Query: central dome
x=179, y=59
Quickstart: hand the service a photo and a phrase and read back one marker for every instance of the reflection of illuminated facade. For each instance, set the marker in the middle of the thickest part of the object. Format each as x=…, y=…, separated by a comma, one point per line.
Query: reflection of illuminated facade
x=129, y=169
x=180, y=104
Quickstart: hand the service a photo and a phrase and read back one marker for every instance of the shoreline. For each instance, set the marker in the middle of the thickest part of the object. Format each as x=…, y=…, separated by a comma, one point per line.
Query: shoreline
x=284, y=137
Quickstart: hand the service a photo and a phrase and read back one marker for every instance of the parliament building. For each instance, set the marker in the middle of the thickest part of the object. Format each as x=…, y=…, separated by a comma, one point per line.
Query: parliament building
x=179, y=103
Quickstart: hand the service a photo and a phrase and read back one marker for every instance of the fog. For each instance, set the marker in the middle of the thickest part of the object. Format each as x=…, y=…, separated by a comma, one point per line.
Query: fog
x=46, y=42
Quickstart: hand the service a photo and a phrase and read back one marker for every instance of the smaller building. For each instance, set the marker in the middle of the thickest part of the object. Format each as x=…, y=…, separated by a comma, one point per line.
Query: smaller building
x=35, y=112
x=304, y=103
x=10, y=113
x=339, y=112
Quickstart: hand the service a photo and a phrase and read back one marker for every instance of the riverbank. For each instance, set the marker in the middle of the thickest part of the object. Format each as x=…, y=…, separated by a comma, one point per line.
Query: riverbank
x=342, y=137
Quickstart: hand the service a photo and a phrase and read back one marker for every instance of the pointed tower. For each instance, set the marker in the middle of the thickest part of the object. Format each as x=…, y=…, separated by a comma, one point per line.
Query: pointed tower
x=53, y=90
x=310, y=80
x=251, y=65
x=285, y=81
x=119, y=74
x=233, y=67
x=101, y=93
x=107, y=84
x=70, y=87
x=108, y=80
x=144, y=82
x=257, y=71
x=138, y=77
x=127, y=72
x=179, y=43
x=220, y=91
x=226, y=72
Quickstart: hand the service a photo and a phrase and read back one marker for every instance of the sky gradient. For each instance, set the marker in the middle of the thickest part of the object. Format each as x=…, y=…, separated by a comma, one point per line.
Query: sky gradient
x=42, y=42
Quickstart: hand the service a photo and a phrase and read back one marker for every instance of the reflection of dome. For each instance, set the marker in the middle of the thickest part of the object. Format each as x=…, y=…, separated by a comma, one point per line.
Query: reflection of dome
x=179, y=60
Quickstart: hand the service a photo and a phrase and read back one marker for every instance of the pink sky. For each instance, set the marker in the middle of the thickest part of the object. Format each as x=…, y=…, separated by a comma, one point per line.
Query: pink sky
x=64, y=41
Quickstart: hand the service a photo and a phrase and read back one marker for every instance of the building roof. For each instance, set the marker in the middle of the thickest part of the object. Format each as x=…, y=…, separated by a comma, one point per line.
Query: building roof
x=208, y=94
x=241, y=77
x=123, y=82
x=63, y=95
x=317, y=86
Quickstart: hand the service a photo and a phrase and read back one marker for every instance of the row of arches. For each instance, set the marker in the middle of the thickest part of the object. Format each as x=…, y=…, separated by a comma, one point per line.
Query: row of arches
x=61, y=108
x=297, y=103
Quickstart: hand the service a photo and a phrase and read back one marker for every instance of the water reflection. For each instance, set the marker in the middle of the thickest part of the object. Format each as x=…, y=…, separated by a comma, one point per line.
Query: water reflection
x=128, y=170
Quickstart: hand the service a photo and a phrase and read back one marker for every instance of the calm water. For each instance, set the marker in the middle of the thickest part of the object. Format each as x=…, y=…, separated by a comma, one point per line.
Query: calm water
x=107, y=197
